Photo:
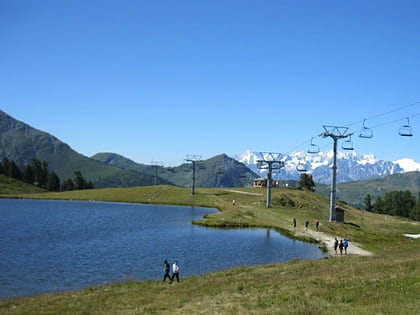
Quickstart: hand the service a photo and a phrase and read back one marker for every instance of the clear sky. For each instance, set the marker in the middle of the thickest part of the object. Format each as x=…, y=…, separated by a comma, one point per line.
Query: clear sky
x=159, y=80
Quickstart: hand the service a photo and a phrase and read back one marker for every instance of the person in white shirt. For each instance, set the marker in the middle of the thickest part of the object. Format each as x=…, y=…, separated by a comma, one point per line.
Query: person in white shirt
x=175, y=271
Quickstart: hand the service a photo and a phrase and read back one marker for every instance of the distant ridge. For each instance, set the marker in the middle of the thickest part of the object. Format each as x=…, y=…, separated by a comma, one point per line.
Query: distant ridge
x=350, y=166
x=20, y=142
x=218, y=171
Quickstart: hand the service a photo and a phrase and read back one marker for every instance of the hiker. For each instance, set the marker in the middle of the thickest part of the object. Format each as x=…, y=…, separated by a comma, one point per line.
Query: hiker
x=345, y=245
x=294, y=223
x=306, y=225
x=335, y=245
x=175, y=271
x=316, y=224
x=340, y=246
x=166, y=269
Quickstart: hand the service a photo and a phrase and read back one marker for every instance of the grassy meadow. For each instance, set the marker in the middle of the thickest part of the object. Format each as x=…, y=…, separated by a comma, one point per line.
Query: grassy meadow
x=388, y=282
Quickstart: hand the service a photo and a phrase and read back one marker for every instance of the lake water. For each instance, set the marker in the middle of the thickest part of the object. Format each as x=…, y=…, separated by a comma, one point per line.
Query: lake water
x=50, y=246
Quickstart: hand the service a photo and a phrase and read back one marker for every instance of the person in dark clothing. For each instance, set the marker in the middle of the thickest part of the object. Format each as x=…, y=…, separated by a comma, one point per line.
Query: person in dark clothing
x=335, y=245
x=166, y=270
x=341, y=246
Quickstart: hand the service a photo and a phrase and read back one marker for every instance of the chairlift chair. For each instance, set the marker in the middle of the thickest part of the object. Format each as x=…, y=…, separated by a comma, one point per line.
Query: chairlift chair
x=365, y=132
x=347, y=145
x=301, y=167
x=313, y=148
x=405, y=130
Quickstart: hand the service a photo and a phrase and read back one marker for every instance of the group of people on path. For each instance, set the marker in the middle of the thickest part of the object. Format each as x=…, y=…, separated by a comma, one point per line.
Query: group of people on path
x=341, y=246
x=167, y=269
x=307, y=224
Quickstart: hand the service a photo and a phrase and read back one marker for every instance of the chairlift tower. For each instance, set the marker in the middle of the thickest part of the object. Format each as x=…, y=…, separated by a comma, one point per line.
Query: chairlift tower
x=269, y=161
x=194, y=160
x=156, y=166
x=335, y=133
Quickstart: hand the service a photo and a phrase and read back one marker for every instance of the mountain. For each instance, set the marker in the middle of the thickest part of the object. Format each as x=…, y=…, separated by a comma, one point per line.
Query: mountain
x=350, y=166
x=354, y=192
x=21, y=143
x=218, y=171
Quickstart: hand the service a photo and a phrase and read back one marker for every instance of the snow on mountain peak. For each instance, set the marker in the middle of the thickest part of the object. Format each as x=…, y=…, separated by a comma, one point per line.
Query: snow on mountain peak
x=351, y=165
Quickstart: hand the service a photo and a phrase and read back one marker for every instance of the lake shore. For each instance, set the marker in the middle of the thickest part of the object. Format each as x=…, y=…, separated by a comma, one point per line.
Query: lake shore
x=386, y=282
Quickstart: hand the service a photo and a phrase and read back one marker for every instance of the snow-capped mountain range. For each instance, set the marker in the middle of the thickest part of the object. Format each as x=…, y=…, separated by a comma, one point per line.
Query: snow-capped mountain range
x=350, y=165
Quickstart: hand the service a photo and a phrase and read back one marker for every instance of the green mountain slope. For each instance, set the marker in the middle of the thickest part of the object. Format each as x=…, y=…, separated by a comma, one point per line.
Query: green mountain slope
x=9, y=185
x=20, y=142
x=218, y=171
x=354, y=192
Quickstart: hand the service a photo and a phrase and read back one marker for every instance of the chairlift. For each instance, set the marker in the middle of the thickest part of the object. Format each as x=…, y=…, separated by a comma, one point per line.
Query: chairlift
x=365, y=132
x=301, y=167
x=313, y=148
x=405, y=130
x=347, y=145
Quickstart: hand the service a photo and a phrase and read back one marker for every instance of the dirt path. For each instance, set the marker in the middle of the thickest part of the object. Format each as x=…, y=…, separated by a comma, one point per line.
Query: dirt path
x=243, y=192
x=328, y=240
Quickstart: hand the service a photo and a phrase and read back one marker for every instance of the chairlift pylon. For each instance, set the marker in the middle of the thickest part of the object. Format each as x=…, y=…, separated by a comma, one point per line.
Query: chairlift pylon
x=347, y=145
x=365, y=132
x=405, y=130
x=313, y=148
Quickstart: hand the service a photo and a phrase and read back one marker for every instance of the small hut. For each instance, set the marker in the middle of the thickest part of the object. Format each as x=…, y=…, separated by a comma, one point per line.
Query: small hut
x=339, y=214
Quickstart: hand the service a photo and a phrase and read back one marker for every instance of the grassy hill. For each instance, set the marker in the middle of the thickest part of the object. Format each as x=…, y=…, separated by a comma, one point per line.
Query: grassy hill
x=354, y=192
x=11, y=186
x=386, y=283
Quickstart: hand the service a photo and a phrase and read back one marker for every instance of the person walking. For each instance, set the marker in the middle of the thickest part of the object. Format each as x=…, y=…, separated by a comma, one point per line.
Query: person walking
x=306, y=225
x=175, y=271
x=316, y=224
x=345, y=245
x=166, y=269
x=335, y=245
x=294, y=223
x=340, y=246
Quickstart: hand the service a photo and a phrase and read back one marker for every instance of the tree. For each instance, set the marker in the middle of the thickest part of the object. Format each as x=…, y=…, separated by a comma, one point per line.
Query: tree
x=415, y=212
x=306, y=182
x=378, y=205
x=399, y=203
x=40, y=169
x=67, y=185
x=368, y=203
x=53, y=182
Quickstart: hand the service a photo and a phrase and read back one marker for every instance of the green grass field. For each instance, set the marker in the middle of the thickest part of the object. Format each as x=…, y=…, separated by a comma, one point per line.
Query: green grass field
x=387, y=282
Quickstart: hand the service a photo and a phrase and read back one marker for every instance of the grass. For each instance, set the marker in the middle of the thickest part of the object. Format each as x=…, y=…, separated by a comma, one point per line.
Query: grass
x=386, y=283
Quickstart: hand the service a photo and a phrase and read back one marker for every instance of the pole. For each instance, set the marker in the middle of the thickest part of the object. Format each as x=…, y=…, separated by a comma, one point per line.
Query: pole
x=335, y=133
x=193, y=178
x=333, y=182
x=269, y=180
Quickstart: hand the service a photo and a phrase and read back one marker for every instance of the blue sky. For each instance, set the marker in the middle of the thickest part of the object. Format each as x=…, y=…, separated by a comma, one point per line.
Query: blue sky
x=159, y=80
